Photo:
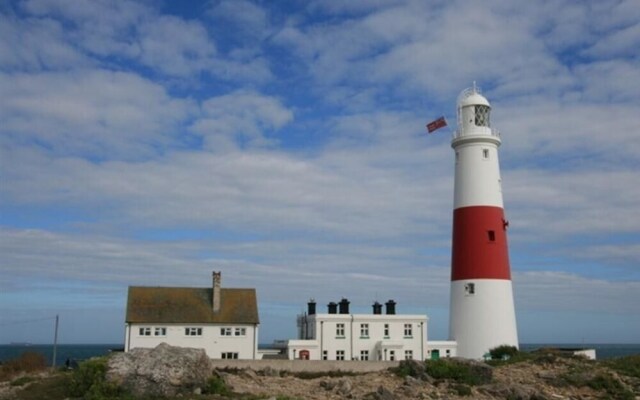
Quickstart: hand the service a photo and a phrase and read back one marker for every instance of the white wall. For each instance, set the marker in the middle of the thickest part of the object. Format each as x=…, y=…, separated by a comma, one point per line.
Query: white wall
x=211, y=339
x=379, y=346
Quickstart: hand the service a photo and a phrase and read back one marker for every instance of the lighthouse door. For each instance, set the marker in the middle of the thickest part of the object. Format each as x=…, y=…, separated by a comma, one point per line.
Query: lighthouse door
x=304, y=354
x=435, y=354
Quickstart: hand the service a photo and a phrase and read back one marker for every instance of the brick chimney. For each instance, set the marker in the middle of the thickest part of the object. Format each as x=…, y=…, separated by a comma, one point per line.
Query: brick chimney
x=217, y=279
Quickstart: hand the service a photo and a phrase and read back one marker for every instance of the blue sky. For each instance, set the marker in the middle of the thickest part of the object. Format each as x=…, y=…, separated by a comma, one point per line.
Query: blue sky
x=284, y=143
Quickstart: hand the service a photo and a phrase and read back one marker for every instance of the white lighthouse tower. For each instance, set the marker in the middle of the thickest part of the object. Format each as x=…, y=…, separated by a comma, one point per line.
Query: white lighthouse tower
x=482, y=315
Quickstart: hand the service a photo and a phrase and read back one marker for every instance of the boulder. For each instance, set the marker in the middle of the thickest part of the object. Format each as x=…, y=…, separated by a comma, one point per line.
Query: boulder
x=162, y=371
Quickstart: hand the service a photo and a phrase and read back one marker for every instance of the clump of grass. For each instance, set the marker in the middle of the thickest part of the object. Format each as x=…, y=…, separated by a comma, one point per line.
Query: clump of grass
x=27, y=362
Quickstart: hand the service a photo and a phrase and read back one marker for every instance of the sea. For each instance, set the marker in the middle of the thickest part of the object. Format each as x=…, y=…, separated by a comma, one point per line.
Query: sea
x=79, y=352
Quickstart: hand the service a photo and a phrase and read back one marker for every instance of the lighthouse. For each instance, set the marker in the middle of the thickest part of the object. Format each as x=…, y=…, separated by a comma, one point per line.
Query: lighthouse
x=482, y=314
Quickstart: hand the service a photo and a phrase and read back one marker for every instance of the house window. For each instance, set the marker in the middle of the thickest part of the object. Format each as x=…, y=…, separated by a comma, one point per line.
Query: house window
x=339, y=355
x=491, y=235
x=448, y=352
x=160, y=331
x=145, y=331
x=408, y=330
x=325, y=355
x=364, y=355
x=485, y=154
x=408, y=354
x=340, y=330
x=225, y=331
x=392, y=355
x=229, y=356
x=470, y=288
x=193, y=331
x=386, y=330
x=364, y=330
x=241, y=331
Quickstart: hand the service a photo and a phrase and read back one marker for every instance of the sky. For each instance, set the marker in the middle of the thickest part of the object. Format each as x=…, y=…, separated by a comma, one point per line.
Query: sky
x=284, y=143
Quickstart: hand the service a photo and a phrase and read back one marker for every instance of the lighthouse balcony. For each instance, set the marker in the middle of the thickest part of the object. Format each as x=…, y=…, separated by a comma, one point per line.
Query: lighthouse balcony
x=484, y=131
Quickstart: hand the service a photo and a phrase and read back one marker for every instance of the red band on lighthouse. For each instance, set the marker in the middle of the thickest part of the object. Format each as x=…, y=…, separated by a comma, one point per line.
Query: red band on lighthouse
x=479, y=244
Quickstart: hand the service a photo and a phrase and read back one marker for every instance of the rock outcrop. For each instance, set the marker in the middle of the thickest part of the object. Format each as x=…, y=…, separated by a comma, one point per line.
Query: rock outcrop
x=162, y=371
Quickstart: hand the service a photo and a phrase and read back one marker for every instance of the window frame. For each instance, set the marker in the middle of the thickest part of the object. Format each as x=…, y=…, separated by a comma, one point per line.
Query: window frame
x=340, y=329
x=192, y=331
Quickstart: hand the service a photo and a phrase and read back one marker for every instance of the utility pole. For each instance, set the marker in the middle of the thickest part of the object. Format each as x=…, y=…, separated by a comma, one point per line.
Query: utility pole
x=55, y=344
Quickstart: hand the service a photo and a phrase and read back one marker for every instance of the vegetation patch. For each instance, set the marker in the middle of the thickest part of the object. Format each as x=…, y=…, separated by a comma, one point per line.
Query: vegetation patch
x=458, y=371
x=28, y=361
x=216, y=385
x=323, y=374
x=23, y=380
x=461, y=389
x=89, y=382
x=600, y=381
x=629, y=366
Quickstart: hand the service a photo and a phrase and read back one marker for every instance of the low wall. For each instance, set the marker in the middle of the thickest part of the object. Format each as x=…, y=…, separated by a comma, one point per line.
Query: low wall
x=306, y=365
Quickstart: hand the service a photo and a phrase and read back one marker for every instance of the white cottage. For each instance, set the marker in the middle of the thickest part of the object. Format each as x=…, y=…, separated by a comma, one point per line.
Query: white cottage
x=340, y=335
x=223, y=322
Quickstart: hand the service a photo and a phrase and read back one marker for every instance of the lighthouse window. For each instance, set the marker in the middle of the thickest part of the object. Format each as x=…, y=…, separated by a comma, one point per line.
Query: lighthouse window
x=482, y=115
x=492, y=236
x=470, y=288
x=485, y=154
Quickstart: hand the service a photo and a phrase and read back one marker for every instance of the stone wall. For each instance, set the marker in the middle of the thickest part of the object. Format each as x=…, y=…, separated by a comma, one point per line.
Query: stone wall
x=306, y=365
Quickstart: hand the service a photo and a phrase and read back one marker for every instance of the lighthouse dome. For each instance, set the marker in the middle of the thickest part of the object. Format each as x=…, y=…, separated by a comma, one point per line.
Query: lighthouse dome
x=471, y=97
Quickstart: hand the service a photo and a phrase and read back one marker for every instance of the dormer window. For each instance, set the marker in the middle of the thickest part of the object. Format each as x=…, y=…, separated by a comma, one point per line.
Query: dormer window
x=482, y=115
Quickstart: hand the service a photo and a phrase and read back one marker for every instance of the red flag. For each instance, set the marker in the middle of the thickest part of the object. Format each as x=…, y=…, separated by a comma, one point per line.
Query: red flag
x=437, y=124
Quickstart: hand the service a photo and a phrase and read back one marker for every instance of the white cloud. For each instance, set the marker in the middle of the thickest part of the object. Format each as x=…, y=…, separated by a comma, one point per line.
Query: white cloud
x=36, y=44
x=240, y=115
x=94, y=113
x=175, y=46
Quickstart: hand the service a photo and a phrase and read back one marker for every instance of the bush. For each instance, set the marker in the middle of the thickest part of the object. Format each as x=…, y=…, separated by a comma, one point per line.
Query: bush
x=503, y=352
x=89, y=381
x=466, y=372
x=216, y=385
x=411, y=368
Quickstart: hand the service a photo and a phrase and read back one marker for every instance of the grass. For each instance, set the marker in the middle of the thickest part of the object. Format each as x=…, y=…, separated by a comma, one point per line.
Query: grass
x=629, y=366
x=27, y=362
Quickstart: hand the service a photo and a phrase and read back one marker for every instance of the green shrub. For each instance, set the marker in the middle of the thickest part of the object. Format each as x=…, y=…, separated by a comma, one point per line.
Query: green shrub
x=503, y=352
x=460, y=372
x=216, y=385
x=89, y=381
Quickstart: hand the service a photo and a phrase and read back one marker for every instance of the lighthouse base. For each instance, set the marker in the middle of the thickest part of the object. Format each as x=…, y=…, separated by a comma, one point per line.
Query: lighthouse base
x=482, y=316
